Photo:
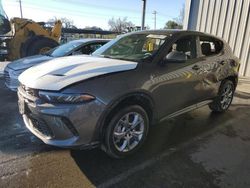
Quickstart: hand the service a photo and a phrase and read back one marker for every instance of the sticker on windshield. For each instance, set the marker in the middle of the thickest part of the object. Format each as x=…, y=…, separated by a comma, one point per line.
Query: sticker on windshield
x=156, y=36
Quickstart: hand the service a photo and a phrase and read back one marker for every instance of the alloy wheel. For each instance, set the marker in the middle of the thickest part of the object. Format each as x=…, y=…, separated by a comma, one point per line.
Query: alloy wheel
x=226, y=96
x=128, y=132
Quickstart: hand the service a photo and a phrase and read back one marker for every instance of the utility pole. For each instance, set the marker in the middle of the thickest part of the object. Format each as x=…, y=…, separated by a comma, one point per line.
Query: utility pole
x=143, y=14
x=154, y=12
x=20, y=5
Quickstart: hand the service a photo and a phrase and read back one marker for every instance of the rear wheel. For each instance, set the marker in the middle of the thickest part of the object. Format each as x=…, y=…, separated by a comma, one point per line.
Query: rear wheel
x=126, y=131
x=225, y=96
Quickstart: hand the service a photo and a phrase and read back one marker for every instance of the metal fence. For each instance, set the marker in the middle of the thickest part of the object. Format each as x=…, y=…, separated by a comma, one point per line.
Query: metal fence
x=228, y=19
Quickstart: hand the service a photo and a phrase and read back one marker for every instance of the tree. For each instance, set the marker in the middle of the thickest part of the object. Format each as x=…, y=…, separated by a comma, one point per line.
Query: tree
x=120, y=25
x=180, y=19
x=66, y=23
x=176, y=23
x=172, y=25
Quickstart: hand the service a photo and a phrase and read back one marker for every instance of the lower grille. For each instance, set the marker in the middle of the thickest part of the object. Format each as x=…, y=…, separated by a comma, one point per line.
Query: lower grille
x=41, y=127
x=70, y=126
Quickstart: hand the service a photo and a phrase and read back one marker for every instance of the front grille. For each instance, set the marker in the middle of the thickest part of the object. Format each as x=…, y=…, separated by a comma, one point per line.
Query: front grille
x=41, y=127
x=6, y=77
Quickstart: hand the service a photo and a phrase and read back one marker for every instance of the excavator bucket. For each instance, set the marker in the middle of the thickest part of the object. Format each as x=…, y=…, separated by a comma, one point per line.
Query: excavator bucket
x=4, y=22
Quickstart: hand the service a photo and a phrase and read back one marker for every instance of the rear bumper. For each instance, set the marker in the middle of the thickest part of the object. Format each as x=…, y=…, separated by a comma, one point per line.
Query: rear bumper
x=62, y=125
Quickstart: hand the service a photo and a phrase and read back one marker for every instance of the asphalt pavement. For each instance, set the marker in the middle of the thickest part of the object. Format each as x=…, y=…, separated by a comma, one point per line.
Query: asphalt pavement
x=196, y=149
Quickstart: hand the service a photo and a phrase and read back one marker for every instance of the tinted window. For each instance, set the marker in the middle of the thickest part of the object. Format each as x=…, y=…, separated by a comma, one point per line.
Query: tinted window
x=94, y=47
x=210, y=46
x=184, y=47
x=90, y=48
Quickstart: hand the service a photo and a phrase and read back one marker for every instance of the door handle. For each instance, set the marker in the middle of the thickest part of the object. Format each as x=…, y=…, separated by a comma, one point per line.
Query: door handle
x=196, y=67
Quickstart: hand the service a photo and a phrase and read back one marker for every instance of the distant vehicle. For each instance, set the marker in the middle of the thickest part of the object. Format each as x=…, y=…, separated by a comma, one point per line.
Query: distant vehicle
x=111, y=98
x=76, y=47
x=20, y=37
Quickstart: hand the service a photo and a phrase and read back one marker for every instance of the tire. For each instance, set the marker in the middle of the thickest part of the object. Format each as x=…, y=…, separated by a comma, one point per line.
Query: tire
x=40, y=45
x=121, y=139
x=224, y=98
x=25, y=46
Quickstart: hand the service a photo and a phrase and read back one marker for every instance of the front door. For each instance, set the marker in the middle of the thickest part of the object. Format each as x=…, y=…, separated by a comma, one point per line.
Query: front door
x=177, y=83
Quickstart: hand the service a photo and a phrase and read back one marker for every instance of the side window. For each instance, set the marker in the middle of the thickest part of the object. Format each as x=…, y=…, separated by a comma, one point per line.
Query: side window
x=90, y=48
x=183, y=49
x=77, y=52
x=85, y=49
x=210, y=46
x=94, y=47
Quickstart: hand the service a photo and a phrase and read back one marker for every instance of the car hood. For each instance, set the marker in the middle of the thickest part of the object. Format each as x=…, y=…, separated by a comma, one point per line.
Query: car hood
x=27, y=62
x=61, y=72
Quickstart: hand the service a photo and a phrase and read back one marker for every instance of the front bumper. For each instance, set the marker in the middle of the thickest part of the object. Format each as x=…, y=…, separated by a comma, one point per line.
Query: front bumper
x=62, y=125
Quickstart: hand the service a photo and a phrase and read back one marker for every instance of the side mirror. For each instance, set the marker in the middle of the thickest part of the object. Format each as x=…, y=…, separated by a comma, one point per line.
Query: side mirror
x=176, y=56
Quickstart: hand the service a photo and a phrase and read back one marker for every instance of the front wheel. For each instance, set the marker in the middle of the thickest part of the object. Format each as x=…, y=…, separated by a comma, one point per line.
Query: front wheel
x=126, y=131
x=225, y=96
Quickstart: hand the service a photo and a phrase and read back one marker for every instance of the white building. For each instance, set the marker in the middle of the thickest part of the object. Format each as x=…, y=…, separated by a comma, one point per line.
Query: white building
x=228, y=19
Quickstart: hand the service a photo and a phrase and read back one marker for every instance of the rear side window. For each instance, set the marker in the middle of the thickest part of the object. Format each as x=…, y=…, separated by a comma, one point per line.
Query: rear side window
x=210, y=46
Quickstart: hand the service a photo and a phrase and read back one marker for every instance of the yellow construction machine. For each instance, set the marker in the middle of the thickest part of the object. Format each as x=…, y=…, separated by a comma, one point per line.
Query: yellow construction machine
x=21, y=37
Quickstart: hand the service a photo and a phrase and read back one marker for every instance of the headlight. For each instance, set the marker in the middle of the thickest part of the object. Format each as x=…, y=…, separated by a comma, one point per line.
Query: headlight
x=65, y=98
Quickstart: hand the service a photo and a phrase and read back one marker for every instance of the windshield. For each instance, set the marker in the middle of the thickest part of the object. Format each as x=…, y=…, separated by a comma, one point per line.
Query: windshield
x=64, y=49
x=133, y=47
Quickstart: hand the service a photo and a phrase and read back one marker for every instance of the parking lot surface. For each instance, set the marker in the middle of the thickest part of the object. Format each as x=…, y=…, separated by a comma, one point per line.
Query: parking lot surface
x=197, y=149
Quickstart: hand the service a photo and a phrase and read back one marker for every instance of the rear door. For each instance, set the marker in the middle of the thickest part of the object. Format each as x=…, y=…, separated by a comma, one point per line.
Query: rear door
x=210, y=65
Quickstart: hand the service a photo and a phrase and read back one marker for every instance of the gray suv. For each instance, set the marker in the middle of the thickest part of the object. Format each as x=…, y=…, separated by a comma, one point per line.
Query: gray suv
x=112, y=97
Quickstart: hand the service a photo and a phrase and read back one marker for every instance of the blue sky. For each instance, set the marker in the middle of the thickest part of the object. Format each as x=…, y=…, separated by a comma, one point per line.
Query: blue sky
x=95, y=12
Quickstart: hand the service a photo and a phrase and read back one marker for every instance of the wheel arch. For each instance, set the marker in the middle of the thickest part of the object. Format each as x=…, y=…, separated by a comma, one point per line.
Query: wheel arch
x=136, y=98
x=234, y=79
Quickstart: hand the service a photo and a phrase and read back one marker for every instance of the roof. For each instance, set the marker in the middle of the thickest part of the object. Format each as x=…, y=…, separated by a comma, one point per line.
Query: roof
x=175, y=31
